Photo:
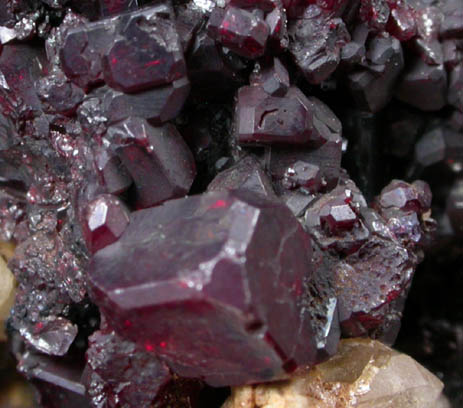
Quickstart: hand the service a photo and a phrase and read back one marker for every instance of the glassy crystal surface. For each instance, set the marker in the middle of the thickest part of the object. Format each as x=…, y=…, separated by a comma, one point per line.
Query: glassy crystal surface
x=239, y=30
x=213, y=280
x=157, y=151
x=268, y=114
x=105, y=219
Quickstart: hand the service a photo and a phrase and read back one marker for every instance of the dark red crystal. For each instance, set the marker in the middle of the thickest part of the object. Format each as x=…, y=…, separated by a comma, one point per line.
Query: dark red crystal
x=157, y=151
x=206, y=271
x=244, y=32
x=105, y=219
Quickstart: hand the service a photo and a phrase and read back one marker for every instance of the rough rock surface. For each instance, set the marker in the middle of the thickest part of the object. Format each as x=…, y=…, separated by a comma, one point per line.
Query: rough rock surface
x=363, y=374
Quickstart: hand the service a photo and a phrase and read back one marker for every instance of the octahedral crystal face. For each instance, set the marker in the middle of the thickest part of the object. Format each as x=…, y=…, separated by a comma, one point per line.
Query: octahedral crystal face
x=211, y=265
x=247, y=174
x=274, y=78
x=364, y=374
x=316, y=40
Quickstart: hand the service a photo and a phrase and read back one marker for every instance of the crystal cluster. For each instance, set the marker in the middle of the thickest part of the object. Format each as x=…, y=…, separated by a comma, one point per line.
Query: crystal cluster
x=195, y=190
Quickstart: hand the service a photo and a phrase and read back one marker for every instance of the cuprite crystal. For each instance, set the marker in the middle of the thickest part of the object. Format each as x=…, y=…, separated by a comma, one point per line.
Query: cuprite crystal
x=303, y=175
x=58, y=93
x=247, y=174
x=372, y=87
x=242, y=31
x=263, y=119
x=333, y=220
x=112, y=361
x=406, y=196
x=112, y=174
x=452, y=25
x=127, y=53
x=273, y=78
x=105, y=219
x=327, y=157
x=146, y=53
x=82, y=50
x=157, y=105
x=57, y=380
x=290, y=119
x=401, y=23
x=157, y=151
x=315, y=43
x=277, y=253
x=438, y=145
x=21, y=66
x=205, y=270
x=53, y=335
x=423, y=86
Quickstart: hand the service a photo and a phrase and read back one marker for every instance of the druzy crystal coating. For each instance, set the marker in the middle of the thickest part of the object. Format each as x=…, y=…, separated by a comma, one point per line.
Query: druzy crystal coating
x=209, y=193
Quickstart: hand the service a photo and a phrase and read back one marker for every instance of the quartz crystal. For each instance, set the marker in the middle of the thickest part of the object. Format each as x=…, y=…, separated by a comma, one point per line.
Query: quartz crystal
x=363, y=374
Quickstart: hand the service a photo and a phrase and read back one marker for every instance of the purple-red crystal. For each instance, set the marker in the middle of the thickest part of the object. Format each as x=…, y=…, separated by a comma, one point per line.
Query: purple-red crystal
x=242, y=31
x=158, y=151
x=105, y=219
x=202, y=269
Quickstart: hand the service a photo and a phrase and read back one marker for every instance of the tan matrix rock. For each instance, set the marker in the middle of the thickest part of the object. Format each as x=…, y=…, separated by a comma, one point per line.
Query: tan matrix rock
x=7, y=286
x=363, y=374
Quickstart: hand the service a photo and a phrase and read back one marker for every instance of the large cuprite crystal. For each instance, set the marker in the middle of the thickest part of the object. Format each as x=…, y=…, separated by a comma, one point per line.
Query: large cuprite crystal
x=291, y=119
x=214, y=285
x=135, y=52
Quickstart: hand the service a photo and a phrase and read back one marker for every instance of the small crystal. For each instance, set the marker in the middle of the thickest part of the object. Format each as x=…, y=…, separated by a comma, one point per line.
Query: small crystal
x=241, y=31
x=105, y=220
x=158, y=151
x=53, y=335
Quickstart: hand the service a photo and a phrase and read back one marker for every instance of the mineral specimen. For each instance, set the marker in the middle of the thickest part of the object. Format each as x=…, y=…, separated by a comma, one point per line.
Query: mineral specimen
x=210, y=193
